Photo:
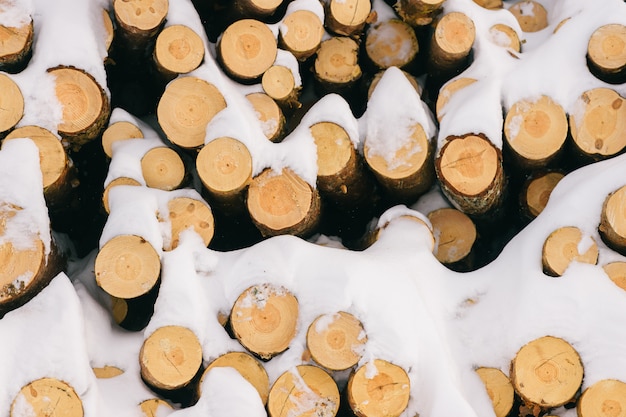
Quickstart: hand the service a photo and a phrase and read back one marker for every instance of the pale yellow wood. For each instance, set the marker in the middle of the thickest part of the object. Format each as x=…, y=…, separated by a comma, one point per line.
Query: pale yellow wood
x=612, y=226
x=617, y=273
x=185, y=213
x=455, y=232
x=607, y=47
x=47, y=397
x=170, y=357
x=334, y=148
x=337, y=61
x=108, y=29
x=347, y=17
x=12, y=103
x=499, y=389
x=152, y=407
x=127, y=266
x=489, y=4
x=278, y=82
x=115, y=183
x=547, y=372
x=563, y=246
x=336, y=341
x=530, y=14
x=15, y=44
x=301, y=33
x=306, y=391
x=391, y=43
x=379, y=388
x=107, y=371
x=224, y=166
x=447, y=91
x=140, y=15
x=605, y=398
x=20, y=265
x=269, y=115
x=249, y=367
x=453, y=39
x=178, y=49
x=119, y=309
x=539, y=190
x=119, y=131
x=163, y=168
x=264, y=319
x=505, y=36
x=186, y=108
x=418, y=12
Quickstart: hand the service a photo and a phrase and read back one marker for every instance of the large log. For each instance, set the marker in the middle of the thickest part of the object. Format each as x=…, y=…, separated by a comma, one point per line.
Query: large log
x=47, y=397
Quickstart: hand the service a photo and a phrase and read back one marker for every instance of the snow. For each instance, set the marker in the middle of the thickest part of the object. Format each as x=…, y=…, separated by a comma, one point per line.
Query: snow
x=438, y=325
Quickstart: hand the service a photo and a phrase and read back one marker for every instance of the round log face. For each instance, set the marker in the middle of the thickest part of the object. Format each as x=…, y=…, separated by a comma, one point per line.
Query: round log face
x=163, y=168
x=249, y=367
x=186, y=108
x=170, y=357
x=348, y=16
x=47, y=397
x=20, y=266
x=612, y=222
x=531, y=15
x=15, y=43
x=11, y=101
x=152, y=407
x=566, y=245
x=107, y=372
x=539, y=190
x=269, y=114
x=605, y=398
x=547, y=372
x=224, y=166
x=301, y=33
x=499, y=389
x=607, y=48
x=278, y=82
x=456, y=234
x=334, y=148
x=337, y=61
x=114, y=183
x=391, y=43
x=119, y=131
x=178, y=49
x=447, y=91
x=306, y=391
x=455, y=34
x=505, y=36
x=187, y=212
x=141, y=15
x=617, y=272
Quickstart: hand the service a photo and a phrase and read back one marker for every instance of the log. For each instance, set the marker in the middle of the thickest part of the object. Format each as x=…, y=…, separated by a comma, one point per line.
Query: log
x=456, y=236
x=185, y=109
x=606, y=53
x=605, y=398
x=499, y=389
x=612, y=226
x=346, y=17
x=305, y=390
x=447, y=91
x=109, y=30
x=139, y=22
x=224, y=166
x=249, y=367
x=336, y=341
x=170, y=358
x=386, y=393
x=85, y=106
x=546, y=372
x=283, y=203
x=536, y=192
x=185, y=213
x=114, y=183
x=47, y=397
x=301, y=33
x=270, y=115
x=564, y=246
x=505, y=36
x=616, y=271
x=16, y=46
x=489, y=4
x=535, y=131
x=178, y=50
x=107, y=372
x=418, y=12
x=134, y=314
x=598, y=124
x=531, y=15
x=119, y=131
x=451, y=43
x=163, y=168
x=12, y=102
x=246, y=49
x=470, y=172
x=279, y=83
x=264, y=319
x=127, y=266
x=153, y=407
x=336, y=66
x=391, y=43
x=256, y=8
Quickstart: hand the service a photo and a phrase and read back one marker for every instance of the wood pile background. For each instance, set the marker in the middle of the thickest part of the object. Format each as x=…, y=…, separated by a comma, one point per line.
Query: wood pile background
x=154, y=150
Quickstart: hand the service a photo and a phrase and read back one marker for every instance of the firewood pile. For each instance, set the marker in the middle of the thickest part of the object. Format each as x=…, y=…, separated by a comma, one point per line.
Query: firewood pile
x=294, y=208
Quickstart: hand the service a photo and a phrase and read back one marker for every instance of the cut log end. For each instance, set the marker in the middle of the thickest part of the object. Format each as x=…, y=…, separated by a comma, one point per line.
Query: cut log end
x=337, y=63
x=107, y=372
x=452, y=40
x=418, y=12
x=248, y=366
x=170, y=358
x=379, y=388
x=264, y=319
x=153, y=407
x=11, y=102
x=617, y=273
x=258, y=8
x=447, y=91
x=489, y=4
x=178, y=50
x=301, y=33
x=279, y=83
x=605, y=398
x=163, y=168
x=607, y=49
x=391, y=43
x=47, y=397
x=283, y=203
x=499, y=389
x=115, y=183
x=334, y=148
x=21, y=265
x=127, y=266
x=119, y=131
x=185, y=213
x=269, y=114
x=347, y=17
x=336, y=341
x=531, y=15
x=186, y=108
x=566, y=245
x=456, y=234
x=612, y=226
x=15, y=46
x=547, y=372
x=505, y=36
x=305, y=390
x=537, y=192
x=140, y=18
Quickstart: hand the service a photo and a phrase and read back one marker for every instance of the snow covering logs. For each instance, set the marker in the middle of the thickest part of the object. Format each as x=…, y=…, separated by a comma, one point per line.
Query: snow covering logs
x=299, y=109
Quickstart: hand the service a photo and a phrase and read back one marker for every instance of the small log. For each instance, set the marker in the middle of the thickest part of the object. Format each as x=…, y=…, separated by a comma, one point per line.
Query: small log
x=185, y=213
x=264, y=319
x=85, y=106
x=134, y=314
x=505, y=36
x=301, y=33
x=119, y=131
x=224, y=166
x=47, y=397
x=546, y=372
x=336, y=66
x=605, y=398
x=114, y=183
x=536, y=192
x=470, y=173
x=336, y=341
x=109, y=30
x=153, y=407
x=347, y=17
x=270, y=115
x=127, y=266
x=256, y=8
x=170, y=358
x=386, y=393
x=139, y=22
x=246, y=49
x=531, y=15
x=305, y=390
x=248, y=366
x=58, y=172
x=606, y=53
x=598, y=126
x=451, y=43
x=16, y=47
x=186, y=108
x=163, y=168
x=456, y=236
x=535, y=131
x=107, y=372
x=617, y=273
x=447, y=91
x=499, y=389
x=489, y=4
x=391, y=43
x=612, y=226
x=283, y=203
x=414, y=82
x=178, y=50
x=418, y=12
x=12, y=103
x=564, y=246
x=279, y=83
